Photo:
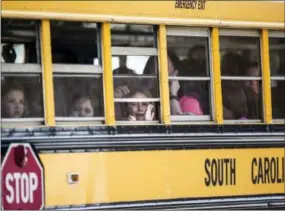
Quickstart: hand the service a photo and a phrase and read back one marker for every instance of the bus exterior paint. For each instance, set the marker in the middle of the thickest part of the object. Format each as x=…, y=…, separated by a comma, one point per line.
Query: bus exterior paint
x=130, y=176
x=142, y=165
x=242, y=14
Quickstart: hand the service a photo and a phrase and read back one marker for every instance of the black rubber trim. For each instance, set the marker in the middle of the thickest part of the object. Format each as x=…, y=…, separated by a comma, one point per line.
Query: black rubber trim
x=137, y=204
x=159, y=129
x=148, y=137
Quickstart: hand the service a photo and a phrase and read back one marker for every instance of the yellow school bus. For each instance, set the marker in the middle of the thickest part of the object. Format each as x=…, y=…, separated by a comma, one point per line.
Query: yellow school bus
x=148, y=104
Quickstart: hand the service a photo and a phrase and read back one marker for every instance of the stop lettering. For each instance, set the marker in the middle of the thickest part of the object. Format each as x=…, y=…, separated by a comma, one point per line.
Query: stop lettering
x=22, y=179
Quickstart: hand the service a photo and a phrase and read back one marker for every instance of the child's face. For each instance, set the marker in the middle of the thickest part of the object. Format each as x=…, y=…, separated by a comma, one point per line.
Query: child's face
x=83, y=108
x=13, y=103
x=138, y=109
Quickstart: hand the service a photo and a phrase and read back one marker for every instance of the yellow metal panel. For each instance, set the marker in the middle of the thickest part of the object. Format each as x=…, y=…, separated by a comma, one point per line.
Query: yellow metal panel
x=47, y=73
x=266, y=87
x=106, y=177
x=214, y=13
x=108, y=75
x=216, y=72
x=163, y=75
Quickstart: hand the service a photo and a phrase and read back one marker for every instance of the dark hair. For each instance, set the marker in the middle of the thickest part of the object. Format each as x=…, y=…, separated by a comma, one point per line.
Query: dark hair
x=190, y=88
x=11, y=86
x=253, y=103
x=61, y=54
x=77, y=97
x=174, y=59
x=129, y=82
x=192, y=67
x=195, y=48
x=124, y=70
x=151, y=66
x=234, y=64
x=236, y=101
x=86, y=97
x=250, y=64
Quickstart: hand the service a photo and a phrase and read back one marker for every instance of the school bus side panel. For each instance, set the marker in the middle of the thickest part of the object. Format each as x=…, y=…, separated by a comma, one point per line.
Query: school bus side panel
x=257, y=11
x=106, y=177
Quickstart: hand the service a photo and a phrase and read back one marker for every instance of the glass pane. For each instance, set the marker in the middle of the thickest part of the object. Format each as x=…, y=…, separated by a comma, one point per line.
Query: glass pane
x=19, y=41
x=137, y=111
x=136, y=72
x=140, y=109
x=75, y=42
x=188, y=57
x=192, y=53
x=123, y=86
x=194, y=98
x=22, y=97
x=78, y=97
x=278, y=100
x=240, y=57
x=242, y=100
x=133, y=65
x=237, y=54
x=131, y=35
x=277, y=56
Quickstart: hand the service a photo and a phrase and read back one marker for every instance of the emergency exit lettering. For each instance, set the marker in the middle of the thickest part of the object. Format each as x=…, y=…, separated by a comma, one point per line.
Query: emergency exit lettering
x=191, y=4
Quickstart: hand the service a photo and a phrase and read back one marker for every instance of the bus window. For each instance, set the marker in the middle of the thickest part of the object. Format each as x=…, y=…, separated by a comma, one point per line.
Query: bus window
x=277, y=69
x=21, y=85
x=241, y=75
x=189, y=73
x=77, y=71
x=135, y=69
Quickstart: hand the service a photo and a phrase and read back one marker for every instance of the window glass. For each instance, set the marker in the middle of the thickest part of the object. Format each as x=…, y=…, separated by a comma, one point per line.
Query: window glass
x=21, y=85
x=135, y=70
x=241, y=77
x=19, y=41
x=74, y=42
x=78, y=96
x=137, y=63
x=131, y=35
x=189, y=75
x=77, y=69
x=190, y=51
x=21, y=97
x=277, y=69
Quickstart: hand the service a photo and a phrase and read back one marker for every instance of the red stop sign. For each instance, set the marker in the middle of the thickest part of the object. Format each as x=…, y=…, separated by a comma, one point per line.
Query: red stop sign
x=22, y=179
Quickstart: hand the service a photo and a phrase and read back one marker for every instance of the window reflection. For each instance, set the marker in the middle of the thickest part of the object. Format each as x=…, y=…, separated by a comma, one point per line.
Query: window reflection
x=277, y=70
x=21, y=97
x=78, y=97
x=189, y=73
x=74, y=42
x=240, y=60
x=19, y=41
x=78, y=90
x=134, y=63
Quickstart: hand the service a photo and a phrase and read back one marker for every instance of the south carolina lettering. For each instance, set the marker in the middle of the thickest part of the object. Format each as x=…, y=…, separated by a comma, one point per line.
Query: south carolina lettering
x=267, y=170
x=220, y=172
x=190, y=4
